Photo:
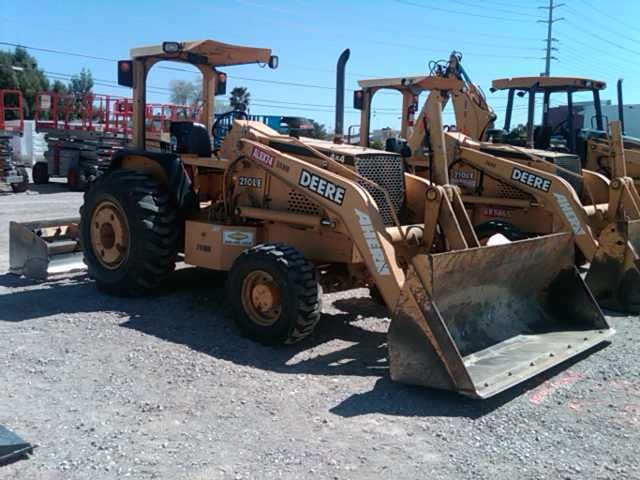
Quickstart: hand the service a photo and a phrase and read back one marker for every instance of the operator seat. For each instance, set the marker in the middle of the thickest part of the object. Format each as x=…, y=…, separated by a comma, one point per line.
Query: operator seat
x=542, y=137
x=191, y=138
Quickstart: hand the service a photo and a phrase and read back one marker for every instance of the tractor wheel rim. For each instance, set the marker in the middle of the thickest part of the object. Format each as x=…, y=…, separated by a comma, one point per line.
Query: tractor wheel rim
x=261, y=298
x=109, y=235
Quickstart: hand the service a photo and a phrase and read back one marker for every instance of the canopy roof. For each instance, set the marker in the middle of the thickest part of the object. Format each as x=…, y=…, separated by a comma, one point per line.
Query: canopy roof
x=216, y=53
x=554, y=84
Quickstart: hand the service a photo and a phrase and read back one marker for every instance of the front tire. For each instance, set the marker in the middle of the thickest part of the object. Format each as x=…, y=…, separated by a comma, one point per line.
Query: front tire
x=40, y=173
x=129, y=233
x=275, y=294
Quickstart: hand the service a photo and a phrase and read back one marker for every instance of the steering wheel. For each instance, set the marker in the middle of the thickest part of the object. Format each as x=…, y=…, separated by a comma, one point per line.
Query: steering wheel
x=223, y=123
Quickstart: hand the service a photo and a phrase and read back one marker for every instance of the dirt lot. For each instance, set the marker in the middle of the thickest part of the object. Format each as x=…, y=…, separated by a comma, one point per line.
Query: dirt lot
x=165, y=387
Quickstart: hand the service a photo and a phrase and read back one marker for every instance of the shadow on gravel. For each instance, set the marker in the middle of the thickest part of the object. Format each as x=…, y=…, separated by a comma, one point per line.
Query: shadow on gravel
x=10, y=280
x=192, y=311
x=63, y=295
x=47, y=188
x=392, y=398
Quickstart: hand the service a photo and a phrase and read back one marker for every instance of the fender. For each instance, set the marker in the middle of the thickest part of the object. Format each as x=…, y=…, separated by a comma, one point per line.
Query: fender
x=166, y=168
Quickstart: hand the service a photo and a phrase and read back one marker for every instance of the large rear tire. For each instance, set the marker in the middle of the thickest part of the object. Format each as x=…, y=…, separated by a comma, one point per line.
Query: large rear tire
x=129, y=232
x=40, y=173
x=275, y=294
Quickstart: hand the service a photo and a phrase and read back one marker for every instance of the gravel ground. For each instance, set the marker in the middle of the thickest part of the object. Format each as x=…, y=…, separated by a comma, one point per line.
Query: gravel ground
x=164, y=387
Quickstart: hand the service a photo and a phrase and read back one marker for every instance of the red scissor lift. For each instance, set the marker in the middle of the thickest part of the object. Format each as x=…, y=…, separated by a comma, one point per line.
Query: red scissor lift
x=13, y=175
x=83, y=132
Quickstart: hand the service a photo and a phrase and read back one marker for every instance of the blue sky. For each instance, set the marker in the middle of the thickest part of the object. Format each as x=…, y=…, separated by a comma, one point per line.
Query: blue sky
x=498, y=38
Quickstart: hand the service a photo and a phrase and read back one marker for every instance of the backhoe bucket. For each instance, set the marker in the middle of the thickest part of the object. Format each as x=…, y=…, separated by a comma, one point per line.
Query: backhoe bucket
x=614, y=274
x=481, y=320
x=42, y=248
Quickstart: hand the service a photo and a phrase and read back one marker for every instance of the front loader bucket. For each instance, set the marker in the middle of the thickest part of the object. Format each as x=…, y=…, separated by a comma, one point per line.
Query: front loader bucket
x=481, y=320
x=614, y=274
x=39, y=249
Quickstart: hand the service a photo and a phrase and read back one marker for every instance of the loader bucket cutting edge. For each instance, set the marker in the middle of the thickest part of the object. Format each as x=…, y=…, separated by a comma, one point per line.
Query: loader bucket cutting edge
x=42, y=248
x=482, y=320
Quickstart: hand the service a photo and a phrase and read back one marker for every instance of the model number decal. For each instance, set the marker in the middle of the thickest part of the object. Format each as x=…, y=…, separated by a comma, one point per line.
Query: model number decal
x=569, y=213
x=263, y=157
x=322, y=187
x=338, y=157
x=203, y=248
x=530, y=179
x=253, y=182
x=463, y=179
x=372, y=242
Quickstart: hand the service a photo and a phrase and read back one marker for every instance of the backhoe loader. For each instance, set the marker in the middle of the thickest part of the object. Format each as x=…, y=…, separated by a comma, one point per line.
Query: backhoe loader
x=289, y=217
x=564, y=129
x=519, y=192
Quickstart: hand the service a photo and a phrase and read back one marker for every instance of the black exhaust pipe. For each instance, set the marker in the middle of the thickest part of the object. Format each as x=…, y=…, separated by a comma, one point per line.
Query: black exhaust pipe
x=620, y=105
x=338, y=136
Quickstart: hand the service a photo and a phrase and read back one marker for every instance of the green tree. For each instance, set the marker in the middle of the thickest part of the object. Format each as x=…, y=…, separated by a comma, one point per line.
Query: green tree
x=59, y=87
x=319, y=130
x=185, y=93
x=81, y=84
x=20, y=70
x=239, y=99
x=377, y=145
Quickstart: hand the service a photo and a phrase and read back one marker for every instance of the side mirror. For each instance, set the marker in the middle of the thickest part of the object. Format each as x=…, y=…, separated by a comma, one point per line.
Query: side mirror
x=273, y=61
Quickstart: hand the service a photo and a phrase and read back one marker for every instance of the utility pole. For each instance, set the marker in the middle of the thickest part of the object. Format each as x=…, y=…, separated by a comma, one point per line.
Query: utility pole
x=550, y=48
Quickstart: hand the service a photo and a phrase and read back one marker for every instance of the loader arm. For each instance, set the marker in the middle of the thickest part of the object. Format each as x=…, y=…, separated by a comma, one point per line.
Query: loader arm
x=551, y=191
x=428, y=138
x=555, y=193
x=348, y=201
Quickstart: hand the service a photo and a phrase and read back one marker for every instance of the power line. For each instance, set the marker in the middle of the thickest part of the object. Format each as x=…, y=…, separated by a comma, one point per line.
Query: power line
x=164, y=90
x=176, y=69
x=614, y=32
x=584, y=30
x=607, y=53
x=617, y=20
x=459, y=12
x=509, y=4
x=413, y=47
x=482, y=6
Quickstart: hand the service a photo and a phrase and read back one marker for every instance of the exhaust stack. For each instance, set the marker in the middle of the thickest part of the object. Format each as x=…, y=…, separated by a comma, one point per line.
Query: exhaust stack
x=338, y=136
x=620, y=105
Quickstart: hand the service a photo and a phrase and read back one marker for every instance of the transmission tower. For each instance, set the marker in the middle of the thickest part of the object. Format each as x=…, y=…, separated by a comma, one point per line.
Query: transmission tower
x=550, y=40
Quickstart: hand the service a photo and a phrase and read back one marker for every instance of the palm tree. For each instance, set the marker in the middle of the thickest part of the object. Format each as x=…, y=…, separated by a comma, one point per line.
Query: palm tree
x=239, y=99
